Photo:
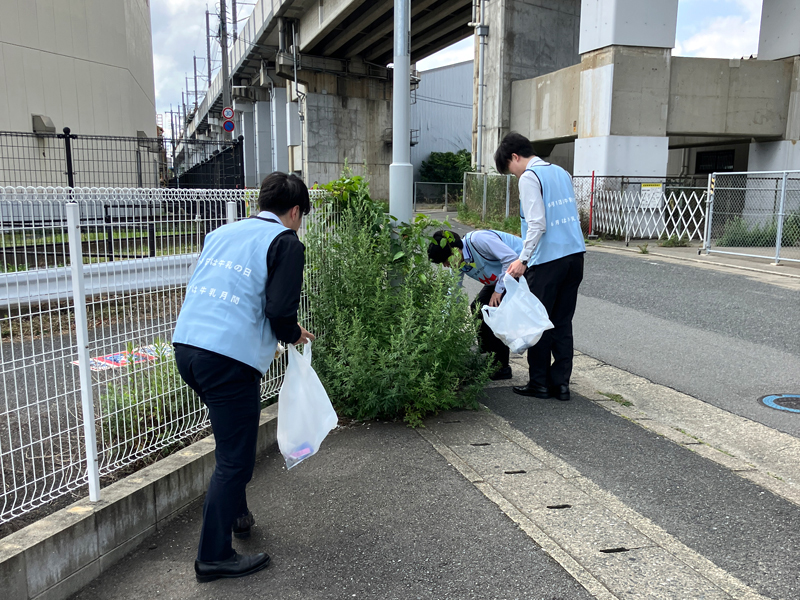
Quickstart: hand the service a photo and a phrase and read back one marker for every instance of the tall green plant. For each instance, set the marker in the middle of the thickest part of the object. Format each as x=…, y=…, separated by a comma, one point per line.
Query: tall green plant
x=398, y=334
x=445, y=167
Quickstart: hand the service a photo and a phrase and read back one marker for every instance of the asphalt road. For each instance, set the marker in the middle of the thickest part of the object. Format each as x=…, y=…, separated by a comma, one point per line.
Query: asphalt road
x=719, y=336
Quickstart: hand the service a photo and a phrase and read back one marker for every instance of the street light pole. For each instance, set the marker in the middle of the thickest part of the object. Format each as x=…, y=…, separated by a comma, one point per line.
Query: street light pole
x=223, y=41
x=401, y=171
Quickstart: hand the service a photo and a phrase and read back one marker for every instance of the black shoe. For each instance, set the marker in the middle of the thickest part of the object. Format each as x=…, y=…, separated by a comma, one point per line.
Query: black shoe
x=531, y=389
x=560, y=392
x=238, y=565
x=242, y=525
x=501, y=373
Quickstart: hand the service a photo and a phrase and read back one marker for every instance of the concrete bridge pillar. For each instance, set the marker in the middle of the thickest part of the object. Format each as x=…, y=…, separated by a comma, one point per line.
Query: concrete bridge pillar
x=625, y=48
x=245, y=126
x=280, y=151
x=526, y=39
x=779, y=39
x=347, y=120
x=262, y=124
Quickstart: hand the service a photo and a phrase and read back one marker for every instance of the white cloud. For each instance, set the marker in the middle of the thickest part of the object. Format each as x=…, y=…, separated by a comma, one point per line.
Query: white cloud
x=726, y=36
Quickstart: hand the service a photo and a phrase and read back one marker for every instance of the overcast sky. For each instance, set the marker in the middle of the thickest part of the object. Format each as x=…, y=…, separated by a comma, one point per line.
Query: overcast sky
x=708, y=28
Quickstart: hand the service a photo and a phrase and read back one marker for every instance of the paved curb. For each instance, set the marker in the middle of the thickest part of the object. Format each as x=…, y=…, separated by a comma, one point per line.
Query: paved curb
x=58, y=555
x=694, y=260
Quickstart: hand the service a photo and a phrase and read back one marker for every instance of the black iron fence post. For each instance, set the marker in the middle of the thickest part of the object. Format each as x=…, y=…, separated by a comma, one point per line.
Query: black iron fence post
x=68, y=155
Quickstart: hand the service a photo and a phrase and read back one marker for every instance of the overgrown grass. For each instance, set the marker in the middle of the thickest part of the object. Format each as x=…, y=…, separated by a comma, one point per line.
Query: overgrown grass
x=473, y=219
x=738, y=233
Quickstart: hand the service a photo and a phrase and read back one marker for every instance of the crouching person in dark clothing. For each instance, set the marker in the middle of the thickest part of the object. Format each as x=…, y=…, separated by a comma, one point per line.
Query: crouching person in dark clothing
x=483, y=255
x=241, y=300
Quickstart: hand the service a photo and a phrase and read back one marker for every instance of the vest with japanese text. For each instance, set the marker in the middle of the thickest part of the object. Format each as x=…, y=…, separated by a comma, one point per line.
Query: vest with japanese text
x=563, y=235
x=485, y=269
x=226, y=297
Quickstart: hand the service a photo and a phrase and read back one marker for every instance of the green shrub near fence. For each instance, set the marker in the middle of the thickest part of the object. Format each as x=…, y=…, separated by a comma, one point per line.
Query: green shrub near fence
x=738, y=233
x=398, y=336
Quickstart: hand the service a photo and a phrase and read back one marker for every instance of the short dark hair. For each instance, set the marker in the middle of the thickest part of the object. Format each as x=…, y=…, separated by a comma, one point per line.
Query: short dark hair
x=439, y=253
x=280, y=193
x=513, y=143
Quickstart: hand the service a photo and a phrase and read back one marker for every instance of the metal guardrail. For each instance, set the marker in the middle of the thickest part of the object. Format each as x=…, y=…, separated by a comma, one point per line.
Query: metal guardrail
x=86, y=318
x=40, y=286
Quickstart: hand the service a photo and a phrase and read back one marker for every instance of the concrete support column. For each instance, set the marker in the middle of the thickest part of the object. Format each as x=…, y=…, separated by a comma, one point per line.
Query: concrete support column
x=280, y=151
x=525, y=40
x=624, y=87
x=780, y=30
x=243, y=119
x=262, y=121
x=294, y=137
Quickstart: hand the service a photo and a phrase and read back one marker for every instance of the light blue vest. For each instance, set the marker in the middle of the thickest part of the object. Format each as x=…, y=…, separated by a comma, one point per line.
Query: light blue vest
x=225, y=300
x=564, y=235
x=487, y=269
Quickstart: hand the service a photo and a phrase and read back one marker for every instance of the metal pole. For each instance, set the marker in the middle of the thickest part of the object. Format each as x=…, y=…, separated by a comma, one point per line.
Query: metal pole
x=483, y=32
x=445, y=197
x=508, y=194
x=68, y=157
x=415, y=196
x=401, y=171
x=485, y=186
x=232, y=214
x=139, y=168
x=223, y=42
x=464, y=189
x=233, y=19
x=781, y=207
x=82, y=334
x=196, y=103
x=208, y=48
x=709, y=212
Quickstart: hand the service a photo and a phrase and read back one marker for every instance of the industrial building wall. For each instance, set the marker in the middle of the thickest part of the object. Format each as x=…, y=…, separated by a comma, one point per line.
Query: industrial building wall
x=86, y=64
x=442, y=112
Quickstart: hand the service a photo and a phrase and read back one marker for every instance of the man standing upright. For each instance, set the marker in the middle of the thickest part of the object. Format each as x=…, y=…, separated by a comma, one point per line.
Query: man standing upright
x=241, y=300
x=551, y=260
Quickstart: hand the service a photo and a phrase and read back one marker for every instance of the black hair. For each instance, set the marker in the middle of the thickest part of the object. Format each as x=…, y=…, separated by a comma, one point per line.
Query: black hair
x=513, y=143
x=280, y=193
x=439, y=253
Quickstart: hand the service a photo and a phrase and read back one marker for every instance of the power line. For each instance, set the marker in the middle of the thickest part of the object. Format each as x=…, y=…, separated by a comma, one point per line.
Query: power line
x=443, y=102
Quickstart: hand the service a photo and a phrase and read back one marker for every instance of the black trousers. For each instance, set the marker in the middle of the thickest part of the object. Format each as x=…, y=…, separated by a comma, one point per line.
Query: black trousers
x=486, y=337
x=232, y=392
x=555, y=284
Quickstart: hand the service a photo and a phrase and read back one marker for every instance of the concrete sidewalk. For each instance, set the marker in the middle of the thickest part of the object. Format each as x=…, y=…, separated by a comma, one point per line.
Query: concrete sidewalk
x=378, y=513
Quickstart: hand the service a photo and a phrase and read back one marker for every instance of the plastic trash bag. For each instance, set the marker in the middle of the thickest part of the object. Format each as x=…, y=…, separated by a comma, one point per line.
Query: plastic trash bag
x=521, y=318
x=305, y=413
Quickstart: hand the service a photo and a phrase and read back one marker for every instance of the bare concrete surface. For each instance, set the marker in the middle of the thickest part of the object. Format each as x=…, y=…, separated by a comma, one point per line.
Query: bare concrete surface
x=378, y=513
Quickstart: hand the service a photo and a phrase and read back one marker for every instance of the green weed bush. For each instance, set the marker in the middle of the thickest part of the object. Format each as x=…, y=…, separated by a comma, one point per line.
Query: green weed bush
x=398, y=334
x=737, y=233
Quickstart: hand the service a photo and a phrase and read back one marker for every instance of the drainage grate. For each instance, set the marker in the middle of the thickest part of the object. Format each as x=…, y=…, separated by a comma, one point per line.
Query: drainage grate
x=785, y=402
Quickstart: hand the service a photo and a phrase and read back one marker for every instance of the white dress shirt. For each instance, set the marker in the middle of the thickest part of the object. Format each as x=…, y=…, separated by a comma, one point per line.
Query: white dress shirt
x=532, y=204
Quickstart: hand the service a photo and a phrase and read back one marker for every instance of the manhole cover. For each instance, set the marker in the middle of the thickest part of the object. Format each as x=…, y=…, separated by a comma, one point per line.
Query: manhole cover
x=787, y=402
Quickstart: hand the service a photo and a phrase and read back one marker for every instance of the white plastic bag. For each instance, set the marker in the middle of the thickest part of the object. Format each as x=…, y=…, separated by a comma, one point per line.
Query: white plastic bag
x=305, y=413
x=521, y=318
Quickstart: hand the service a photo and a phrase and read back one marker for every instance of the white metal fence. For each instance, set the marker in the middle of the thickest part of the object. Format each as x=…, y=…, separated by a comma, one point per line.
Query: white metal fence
x=649, y=213
x=755, y=214
x=91, y=283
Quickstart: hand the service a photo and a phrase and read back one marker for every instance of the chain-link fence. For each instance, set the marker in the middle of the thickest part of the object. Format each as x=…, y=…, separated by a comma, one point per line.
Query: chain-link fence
x=446, y=195
x=70, y=160
x=91, y=285
x=493, y=197
x=755, y=214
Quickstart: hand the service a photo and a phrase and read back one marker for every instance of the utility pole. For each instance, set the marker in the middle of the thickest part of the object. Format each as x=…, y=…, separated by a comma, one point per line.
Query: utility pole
x=223, y=41
x=208, y=48
x=233, y=19
x=196, y=103
x=401, y=171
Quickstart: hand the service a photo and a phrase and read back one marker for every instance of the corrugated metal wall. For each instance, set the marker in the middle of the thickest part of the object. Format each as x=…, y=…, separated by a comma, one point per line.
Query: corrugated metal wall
x=443, y=112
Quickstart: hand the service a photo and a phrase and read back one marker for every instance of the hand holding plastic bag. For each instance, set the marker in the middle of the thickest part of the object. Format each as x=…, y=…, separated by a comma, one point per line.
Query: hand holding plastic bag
x=305, y=413
x=521, y=318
